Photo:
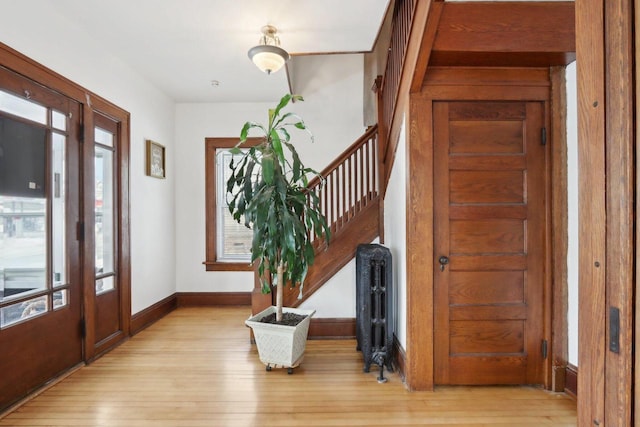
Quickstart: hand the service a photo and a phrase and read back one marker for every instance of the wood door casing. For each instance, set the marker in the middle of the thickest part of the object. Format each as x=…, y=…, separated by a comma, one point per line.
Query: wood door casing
x=490, y=208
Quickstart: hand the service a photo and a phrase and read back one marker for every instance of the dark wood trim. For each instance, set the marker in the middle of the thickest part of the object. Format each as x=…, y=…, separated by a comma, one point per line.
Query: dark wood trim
x=210, y=146
x=153, y=313
x=636, y=393
x=211, y=299
x=88, y=243
x=424, y=54
x=571, y=383
x=557, y=131
x=14, y=60
x=400, y=358
x=453, y=79
x=526, y=34
x=320, y=328
x=124, y=225
x=590, y=67
x=486, y=76
x=420, y=354
x=620, y=191
x=558, y=377
x=332, y=328
x=227, y=266
x=501, y=59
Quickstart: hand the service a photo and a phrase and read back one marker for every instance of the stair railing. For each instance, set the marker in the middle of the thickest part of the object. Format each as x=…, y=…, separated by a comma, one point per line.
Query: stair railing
x=387, y=86
x=350, y=183
x=402, y=21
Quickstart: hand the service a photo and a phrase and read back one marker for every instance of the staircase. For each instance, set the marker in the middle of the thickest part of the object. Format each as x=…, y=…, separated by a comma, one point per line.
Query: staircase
x=356, y=181
x=350, y=200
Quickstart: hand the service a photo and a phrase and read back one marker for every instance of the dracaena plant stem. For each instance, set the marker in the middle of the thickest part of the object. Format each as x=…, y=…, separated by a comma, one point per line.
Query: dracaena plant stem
x=279, y=291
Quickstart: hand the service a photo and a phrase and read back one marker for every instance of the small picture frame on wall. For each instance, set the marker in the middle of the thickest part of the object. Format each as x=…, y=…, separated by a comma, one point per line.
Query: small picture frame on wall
x=155, y=159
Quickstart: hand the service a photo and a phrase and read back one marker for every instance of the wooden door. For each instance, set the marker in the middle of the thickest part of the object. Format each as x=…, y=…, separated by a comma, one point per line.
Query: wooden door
x=40, y=272
x=108, y=325
x=489, y=178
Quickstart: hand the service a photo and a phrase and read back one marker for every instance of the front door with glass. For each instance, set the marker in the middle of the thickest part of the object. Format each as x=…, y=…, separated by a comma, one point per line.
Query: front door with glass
x=40, y=291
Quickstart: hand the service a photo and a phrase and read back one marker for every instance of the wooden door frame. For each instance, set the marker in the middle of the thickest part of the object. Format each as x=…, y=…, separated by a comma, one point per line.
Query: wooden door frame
x=606, y=141
x=454, y=84
x=636, y=356
x=21, y=64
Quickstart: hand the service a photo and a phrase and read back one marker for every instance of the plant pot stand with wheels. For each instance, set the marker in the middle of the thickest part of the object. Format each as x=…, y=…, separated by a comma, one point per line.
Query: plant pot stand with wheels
x=280, y=346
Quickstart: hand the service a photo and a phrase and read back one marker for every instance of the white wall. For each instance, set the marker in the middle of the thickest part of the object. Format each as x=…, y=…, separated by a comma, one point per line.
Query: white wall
x=167, y=226
x=332, y=110
x=572, y=196
x=49, y=38
x=337, y=297
x=395, y=233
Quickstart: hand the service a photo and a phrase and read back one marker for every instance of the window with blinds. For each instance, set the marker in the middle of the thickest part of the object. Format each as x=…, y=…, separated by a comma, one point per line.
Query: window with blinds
x=233, y=239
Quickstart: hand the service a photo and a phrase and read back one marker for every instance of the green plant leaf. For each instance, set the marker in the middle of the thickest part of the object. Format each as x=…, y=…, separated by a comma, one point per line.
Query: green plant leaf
x=277, y=145
x=283, y=103
x=244, y=133
x=247, y=179
x=286, y=135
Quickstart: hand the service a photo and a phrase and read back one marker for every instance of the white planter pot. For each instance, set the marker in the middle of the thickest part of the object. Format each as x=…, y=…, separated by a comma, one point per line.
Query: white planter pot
x=280, y=346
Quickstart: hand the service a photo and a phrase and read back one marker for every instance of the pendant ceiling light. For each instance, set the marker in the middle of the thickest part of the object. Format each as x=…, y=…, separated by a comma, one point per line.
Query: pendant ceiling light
x=268, y=55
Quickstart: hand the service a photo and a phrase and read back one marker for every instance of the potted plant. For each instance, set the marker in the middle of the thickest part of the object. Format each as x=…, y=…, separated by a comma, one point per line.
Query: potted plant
x=267, y=190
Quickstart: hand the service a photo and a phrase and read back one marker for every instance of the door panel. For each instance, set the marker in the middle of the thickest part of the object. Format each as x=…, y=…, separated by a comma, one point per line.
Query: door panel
x=486, y=336
x=485, y=186
x=486, y=287
x=487, y=236
x=480, y=137
x=489, y=178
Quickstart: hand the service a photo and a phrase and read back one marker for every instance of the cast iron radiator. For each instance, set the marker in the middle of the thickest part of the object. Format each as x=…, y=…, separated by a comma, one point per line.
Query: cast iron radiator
x=375, y=306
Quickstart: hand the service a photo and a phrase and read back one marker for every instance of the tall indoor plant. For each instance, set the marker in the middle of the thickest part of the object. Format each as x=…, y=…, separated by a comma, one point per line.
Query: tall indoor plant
x=268, y=190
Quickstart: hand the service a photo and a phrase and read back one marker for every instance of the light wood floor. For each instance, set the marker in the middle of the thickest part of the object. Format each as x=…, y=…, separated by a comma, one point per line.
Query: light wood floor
x=196, y=367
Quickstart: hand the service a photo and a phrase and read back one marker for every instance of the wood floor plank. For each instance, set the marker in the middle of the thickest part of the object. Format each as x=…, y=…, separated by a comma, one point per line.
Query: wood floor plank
x=196, y=367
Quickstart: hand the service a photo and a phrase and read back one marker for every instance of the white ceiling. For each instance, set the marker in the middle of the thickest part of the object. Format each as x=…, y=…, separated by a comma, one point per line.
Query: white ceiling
x=182, y=45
